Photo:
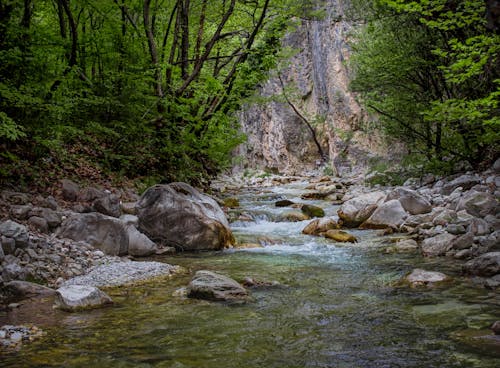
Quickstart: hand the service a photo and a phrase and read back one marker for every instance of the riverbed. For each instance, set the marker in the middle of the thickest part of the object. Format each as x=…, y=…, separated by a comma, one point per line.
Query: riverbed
x=333, y=305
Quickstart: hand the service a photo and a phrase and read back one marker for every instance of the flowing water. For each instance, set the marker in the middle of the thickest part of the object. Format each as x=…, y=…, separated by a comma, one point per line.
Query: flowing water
x=337, y=306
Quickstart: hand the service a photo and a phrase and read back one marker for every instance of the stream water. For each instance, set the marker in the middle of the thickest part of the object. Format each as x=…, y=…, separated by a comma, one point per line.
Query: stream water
x=336, y=306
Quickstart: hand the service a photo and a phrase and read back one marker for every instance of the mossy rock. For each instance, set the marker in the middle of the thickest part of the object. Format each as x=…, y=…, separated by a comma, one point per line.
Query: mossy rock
x=320, y=226
x=284, y=203
x=313, y=211
x=341, y=236
x=231, y=202
x=294, y=216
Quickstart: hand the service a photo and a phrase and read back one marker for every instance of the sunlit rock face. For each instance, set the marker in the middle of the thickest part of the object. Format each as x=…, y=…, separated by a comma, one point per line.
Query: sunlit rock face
x=319, y=79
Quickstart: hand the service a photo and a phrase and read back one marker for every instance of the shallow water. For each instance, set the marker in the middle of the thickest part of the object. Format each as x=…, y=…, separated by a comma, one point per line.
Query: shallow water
x=337, y=306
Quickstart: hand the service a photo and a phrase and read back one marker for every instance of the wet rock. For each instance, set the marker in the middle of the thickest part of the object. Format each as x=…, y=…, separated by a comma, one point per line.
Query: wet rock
x=405, y=245
x=479, y=204
x=312, y=211
x=69, y=190
x=13, y=336
x=25, y=289
x=178, y=215
x=388, y=214
x=231, y=202
x=103, y=232
x=251, y=282
x=15, y=231
x=419, y=277
x=355, y=211
x=20, y=212
x=340, y=236
x=248, y=245
x=77, y=297
x=284, y=203
x=486, y=265
x=212, y=286
x=465, y=182
x=139, y=244
x=437, y=245
x=319, y=226
x=108, y=205
x=293, y=216
x=39, y=223
x=412, y=201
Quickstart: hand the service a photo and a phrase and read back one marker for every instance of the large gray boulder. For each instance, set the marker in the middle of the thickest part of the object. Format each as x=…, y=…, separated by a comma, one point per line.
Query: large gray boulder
x=486, y=265
x=438, y=245
x=178, y=215
x=412, y=201
x=389, y=214
x=77, y=297
x=108, y=204
x=479, y=204
x=355, y=211
x=17, y=232
x=139, y=244
x=212, y=286
x=465, y=182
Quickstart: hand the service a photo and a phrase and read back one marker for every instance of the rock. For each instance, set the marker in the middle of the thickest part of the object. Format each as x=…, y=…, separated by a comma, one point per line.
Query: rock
x=39, y=223
x=486, y=265
x=416, y=220
x=103, y=232
x=130, y=220
x=77, y=297
x=479, y=204
x=90, y=194
x=284, y=203
x=13, y=230
x=438, y=245
x=412, y=202
x=455, y=229
x=389, y=214
x=293, y=216
x=405, y=245
x=445, y=217
x=139, y=244
x=25, y=289
x=495, y=327
x=50, y=202
x=2, y=254
x=321, y=225
x=248, y=245
x=463, y=242
x=8, y=245
x=491, y=241
x=357, y=210
x=212, y=286
x=15, y=197
x=465, y=182
x=128, y=208
x=419, y=277
x=479, y=227
x=69, y=190
x=21, y=212
x=108, y=205
x=12, y=271
x=231, y=202
x=251, y=282
x=312, y=211
x=178, y=215
x=50, y=216
x=340, y=236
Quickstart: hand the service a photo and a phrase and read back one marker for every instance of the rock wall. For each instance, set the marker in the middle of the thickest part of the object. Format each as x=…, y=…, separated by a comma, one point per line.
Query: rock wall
x=277, y=138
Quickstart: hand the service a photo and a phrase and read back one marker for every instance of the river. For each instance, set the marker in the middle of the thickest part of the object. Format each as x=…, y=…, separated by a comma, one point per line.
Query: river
x=336, y=305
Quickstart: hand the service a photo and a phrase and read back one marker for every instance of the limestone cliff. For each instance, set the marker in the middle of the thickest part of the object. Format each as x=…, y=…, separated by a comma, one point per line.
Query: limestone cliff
x=277, y=138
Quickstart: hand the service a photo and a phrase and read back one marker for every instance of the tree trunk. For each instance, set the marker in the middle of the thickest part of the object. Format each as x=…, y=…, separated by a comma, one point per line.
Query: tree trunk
x=152, y=50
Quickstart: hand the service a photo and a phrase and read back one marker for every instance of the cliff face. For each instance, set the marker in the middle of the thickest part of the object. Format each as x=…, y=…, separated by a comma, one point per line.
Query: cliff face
x=277, y=137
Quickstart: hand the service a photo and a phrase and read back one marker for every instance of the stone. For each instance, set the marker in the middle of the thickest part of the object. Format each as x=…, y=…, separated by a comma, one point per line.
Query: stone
x=50, y=202
x=445, y=217
x=2, y=254
x=21, y=212
x=139, y=244
x=320, y=225
x=103, y=232
x=495, y=327
x=13, y=230
x=312, y=211
x=231, y=202
x=69, y=190
x=25, y=289
x=416, y=220
x=130, y=220
x=77, y=297
x=283, y=203
x=39, y=223
x=293, y=216
x=404, y=245
x=180, y=216
x=412, y=201
x=491, y=241
x=128, y=208
x=419, y=277
x=8, y=245
x=438, y=245
x=212, y=286
x=465, y=182
x=52, y=218
x=90, y=194
x=479, y=204
x=463, y=242
x=12, y=271
x=485, y=265
x=479, y=227
x=389, y=214
x=340, y=236
x=15, y=197
x=355, y=211
x=108, y=205
x=496, y=166
x=455, y=229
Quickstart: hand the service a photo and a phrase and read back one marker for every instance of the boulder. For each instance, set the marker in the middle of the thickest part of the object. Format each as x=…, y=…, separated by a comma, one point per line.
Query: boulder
x=212, y=286
x=479, y=204
x=355, y=211
x=479, y=227
x=90, y=194
x=495, y=327
x=77, y=297
x=50, y=216
x=15, y=231
x=139, y=244
x=438, y=245
x=293, y=216
x=389, y=214
x=412, y=202
x=486, y=265
x=341, y=236
x=419, y=277
x=128, y=208
x=39, y=223
x=2, y=254
x=319, y=226
x=231, y=202
x=465, y=182
x=50, y=202
x=284, y=203
x=445, y=217
x=103, y=232
x=25, y=289
x=69, y=190
x=312, y=211
x=21, y=211
x=178, y=215
x=108, y=205
x=404, y=245
x=463, y=242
